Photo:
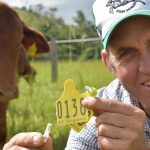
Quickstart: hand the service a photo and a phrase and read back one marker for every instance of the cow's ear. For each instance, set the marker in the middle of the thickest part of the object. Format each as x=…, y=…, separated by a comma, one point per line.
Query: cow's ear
x=34, y=42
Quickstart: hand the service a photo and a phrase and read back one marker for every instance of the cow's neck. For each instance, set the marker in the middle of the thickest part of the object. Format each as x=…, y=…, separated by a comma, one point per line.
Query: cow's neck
x=3, y=131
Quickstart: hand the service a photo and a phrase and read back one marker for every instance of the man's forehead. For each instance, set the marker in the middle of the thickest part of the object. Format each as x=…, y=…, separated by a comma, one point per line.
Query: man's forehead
x=125, y=24
x=129, y=26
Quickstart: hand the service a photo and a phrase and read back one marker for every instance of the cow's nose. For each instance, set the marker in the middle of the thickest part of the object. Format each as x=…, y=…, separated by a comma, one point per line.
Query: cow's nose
x=7, y=95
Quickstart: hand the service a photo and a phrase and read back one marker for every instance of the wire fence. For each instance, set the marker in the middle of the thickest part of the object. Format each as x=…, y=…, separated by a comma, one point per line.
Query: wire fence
x=54, y=56
x=76, y=40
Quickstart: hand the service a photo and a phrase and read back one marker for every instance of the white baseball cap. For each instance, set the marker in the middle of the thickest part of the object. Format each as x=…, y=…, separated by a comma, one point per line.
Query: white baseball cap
x=109, y=13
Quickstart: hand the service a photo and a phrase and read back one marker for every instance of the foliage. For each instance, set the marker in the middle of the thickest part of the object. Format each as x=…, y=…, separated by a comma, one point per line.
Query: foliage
x=45, y=20
x=35, y=106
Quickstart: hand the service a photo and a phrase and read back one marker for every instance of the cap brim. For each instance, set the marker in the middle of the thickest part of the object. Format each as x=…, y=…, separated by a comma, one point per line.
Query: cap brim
x=105, y=40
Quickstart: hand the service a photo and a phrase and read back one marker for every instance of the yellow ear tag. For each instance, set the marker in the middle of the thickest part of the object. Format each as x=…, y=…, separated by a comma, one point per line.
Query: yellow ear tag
x=31, y=51
x=69, y=108
x=78, y=126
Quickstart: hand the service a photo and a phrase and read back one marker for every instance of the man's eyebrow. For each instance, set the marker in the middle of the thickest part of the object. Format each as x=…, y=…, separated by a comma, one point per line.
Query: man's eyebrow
x=125, y=51
x=122, y=49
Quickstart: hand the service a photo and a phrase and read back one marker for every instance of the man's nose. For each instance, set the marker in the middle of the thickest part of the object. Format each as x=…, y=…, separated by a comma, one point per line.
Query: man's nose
x=144, y=64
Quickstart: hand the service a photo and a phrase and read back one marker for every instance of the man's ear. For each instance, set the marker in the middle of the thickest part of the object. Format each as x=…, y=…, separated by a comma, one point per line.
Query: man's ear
x=105, y=58
x=106, y=61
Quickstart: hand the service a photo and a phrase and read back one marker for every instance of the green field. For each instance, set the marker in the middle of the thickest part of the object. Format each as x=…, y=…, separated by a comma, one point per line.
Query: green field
x=35, y=106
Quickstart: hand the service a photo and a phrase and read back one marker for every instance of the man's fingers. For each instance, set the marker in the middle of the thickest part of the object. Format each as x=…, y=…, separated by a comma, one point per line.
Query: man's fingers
x=110, y=143
x=114, y=119
x=32, y=139
x=107, y=105
x=48, y=145
x=18, y=148
x=114, y=132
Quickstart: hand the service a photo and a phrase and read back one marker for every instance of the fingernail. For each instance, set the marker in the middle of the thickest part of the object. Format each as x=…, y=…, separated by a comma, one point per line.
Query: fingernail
x=5, y=147
x=88, y=99
x=85, y=101
x=36, y=139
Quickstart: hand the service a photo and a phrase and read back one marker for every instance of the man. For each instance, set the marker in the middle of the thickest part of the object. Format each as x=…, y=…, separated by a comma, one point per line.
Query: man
x=121, y=109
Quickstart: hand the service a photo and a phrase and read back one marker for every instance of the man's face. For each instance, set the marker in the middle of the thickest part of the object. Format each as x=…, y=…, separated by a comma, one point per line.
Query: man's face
x=129, y=49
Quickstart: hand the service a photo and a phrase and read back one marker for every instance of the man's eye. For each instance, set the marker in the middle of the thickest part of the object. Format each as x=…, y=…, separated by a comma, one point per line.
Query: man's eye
x=127, y=52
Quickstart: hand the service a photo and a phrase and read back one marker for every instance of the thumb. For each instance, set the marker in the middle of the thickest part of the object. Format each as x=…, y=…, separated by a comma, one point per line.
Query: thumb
x=48, y=144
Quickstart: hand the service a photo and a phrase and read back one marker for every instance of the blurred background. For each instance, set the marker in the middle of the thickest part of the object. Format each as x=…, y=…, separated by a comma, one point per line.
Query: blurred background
x=75, y=54
x=66, y=9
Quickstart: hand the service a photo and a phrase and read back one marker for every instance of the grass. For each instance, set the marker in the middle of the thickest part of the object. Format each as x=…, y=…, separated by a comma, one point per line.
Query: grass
x=35, y=106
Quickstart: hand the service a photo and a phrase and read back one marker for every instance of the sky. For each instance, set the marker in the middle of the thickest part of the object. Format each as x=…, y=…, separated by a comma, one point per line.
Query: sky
x=66, y=8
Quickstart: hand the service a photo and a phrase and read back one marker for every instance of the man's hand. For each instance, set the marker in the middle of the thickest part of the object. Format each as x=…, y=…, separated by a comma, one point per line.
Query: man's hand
x=120, y=126
x=28, y=141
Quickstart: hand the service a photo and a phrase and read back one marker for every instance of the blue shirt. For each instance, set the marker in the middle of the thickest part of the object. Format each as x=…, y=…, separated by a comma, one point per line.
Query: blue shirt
x=87, y=138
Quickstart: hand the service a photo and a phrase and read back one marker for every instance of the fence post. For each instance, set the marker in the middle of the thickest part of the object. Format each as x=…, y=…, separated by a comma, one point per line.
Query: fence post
x=53, y=61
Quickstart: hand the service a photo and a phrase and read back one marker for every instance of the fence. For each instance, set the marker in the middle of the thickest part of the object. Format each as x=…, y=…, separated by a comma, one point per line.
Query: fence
x=54, y=59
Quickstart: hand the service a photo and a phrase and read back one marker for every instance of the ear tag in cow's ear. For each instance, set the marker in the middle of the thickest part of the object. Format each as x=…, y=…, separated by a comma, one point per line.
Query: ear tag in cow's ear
x=69, y=108
x=31, y=51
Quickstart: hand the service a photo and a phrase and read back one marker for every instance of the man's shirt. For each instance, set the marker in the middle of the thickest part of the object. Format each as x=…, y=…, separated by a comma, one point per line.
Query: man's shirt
x=87, y=138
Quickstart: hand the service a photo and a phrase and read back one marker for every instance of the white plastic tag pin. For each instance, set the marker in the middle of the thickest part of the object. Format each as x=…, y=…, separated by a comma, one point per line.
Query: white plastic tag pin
x=47, y=131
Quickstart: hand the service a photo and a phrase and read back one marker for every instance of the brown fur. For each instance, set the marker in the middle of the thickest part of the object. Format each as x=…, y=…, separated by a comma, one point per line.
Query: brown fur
x=15, y=38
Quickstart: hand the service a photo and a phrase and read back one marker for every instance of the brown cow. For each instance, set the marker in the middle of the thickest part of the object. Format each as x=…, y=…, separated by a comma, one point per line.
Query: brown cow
x=15, y=39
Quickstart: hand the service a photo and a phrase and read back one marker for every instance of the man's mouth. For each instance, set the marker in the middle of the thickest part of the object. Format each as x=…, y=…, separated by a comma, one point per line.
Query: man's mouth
x=147, y=84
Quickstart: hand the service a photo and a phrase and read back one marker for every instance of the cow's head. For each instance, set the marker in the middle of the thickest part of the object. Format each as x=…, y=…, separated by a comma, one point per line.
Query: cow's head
x=15, y=40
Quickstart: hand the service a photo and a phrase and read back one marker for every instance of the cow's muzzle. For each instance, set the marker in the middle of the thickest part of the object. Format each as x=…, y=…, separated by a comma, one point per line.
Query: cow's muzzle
x=6, y=95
